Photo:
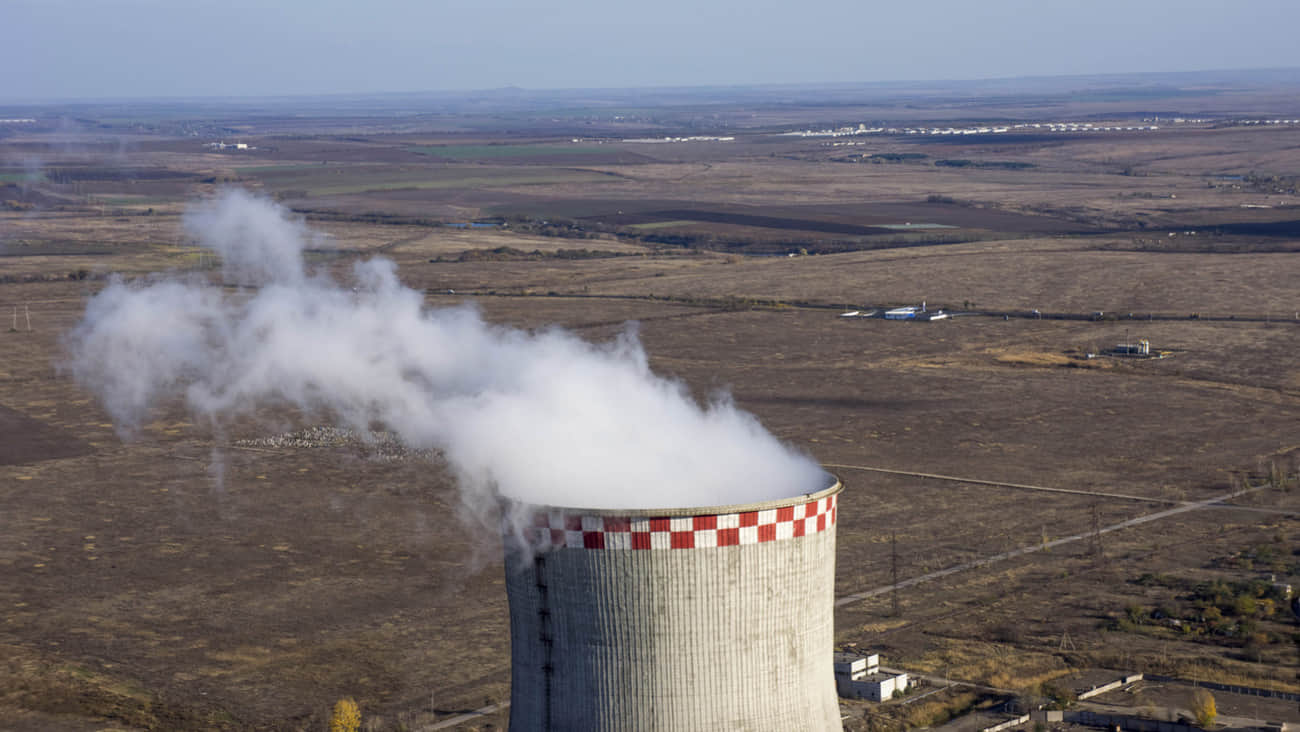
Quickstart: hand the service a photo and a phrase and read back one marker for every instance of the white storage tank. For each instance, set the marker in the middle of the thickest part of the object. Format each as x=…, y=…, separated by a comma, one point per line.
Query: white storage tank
x=674, y=619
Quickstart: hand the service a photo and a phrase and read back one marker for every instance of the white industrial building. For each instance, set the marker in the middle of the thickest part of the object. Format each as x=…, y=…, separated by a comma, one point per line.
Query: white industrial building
x=860, y=677
x=914, y=312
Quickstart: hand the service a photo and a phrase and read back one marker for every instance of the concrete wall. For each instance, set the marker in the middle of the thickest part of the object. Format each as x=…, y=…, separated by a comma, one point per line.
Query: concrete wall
x=724, y=637
x=1099, y=690
x=1007, y=724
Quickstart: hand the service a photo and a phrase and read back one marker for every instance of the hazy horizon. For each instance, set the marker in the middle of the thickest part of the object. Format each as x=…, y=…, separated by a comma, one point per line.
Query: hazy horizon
x=82, y=50
x=919, y=83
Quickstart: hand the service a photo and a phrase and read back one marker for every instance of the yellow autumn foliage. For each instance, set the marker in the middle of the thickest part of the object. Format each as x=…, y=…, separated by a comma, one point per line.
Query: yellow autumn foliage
x=1203, y=708
x=346, y=716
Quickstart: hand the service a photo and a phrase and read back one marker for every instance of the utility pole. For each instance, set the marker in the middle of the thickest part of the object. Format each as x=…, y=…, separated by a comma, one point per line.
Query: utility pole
x=1066, y=641
x=27, y=309
x=893, y=562
x=1095, y=541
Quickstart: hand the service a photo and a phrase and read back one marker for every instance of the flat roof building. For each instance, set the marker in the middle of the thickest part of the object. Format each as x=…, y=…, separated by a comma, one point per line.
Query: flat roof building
x=860, y=677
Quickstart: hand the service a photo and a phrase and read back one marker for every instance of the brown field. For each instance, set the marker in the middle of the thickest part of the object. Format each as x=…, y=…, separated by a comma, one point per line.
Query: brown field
x=178, y=580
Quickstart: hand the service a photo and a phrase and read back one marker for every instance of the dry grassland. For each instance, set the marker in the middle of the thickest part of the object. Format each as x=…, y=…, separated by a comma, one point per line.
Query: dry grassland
x=179, y=581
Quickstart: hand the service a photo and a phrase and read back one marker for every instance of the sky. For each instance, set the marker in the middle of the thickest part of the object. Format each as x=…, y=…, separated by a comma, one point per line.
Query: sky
x=190, y=48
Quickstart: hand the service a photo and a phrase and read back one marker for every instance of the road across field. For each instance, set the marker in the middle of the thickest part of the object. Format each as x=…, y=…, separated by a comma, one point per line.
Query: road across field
x=999, y=484
x=463, y=718
x=1137, y=521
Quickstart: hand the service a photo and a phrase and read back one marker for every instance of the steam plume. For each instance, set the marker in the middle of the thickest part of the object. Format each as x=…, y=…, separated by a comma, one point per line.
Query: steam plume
x=542, y=417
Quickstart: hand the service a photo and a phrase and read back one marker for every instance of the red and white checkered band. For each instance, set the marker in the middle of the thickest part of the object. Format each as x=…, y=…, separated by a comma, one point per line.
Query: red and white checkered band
x=556, y=529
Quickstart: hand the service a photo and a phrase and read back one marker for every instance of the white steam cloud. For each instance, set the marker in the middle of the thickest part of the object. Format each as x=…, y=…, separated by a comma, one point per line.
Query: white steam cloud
x=541, y=417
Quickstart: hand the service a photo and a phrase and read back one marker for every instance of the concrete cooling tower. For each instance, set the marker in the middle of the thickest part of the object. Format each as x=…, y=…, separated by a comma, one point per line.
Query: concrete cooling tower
x=675, y=619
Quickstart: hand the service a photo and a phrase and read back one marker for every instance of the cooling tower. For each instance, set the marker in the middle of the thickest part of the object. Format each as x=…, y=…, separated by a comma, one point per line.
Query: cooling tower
x=679, y=619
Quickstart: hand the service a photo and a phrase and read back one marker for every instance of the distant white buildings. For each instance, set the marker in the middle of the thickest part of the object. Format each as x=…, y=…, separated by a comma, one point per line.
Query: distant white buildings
x=692, y=138
x=230, y=146
x=974, y=130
